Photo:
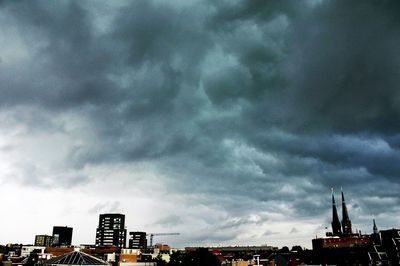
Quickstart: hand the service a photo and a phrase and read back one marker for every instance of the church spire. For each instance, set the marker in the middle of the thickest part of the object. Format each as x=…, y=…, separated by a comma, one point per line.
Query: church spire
x=375, y=228
x=376, y=237
x=346, y=223
x=335, y=218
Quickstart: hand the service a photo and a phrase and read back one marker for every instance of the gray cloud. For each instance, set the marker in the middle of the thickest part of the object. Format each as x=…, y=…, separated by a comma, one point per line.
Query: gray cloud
x=106, y=207
x=269, y=233
x=171, y=220
x=345, y=70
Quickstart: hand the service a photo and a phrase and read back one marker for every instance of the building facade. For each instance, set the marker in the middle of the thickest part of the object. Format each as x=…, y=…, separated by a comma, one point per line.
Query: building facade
x=137, y=240
x=27, y=250
x=62, y=236
x=43, y=240
x=111, y=230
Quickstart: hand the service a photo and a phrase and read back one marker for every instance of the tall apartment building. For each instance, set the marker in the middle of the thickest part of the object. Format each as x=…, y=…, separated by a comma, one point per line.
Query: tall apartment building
x=137, y=240
x=111, y=230
x=43, y=240
x=62, y=235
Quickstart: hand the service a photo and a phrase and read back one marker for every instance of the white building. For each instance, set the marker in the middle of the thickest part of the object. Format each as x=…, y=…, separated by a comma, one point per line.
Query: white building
x=26, y=250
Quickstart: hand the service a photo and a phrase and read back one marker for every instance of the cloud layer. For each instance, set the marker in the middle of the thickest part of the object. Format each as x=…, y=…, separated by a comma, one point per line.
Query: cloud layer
x=228, y=121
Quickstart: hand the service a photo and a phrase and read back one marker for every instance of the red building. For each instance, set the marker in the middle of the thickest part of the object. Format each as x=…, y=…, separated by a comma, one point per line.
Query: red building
x=340, y=241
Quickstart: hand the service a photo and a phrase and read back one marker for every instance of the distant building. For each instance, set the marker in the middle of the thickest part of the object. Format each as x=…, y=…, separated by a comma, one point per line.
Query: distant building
x=27, y=250
x=340, y=241
x=128, y=256
x=342, y=235
x=375, y=236
x=62, y=236
x=162, y=248
x=58, y=251
x=137, y=240
x=111, y=230
x=43, y=240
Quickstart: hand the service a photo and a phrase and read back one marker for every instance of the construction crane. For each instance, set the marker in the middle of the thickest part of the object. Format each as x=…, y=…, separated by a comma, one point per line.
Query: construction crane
x=160, y=234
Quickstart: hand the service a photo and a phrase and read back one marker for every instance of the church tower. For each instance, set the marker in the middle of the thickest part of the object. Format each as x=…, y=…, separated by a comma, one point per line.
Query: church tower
x=375, y=228
x=335, y=219
x=346, y=223
x=376, y=237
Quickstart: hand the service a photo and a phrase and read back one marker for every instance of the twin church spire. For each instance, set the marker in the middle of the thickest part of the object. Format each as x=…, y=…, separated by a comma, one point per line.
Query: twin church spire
x=338, y=228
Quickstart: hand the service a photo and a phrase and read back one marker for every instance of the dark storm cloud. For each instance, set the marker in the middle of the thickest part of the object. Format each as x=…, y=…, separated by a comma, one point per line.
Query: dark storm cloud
x=66, y=65
x=345, y=67
x=248, y=102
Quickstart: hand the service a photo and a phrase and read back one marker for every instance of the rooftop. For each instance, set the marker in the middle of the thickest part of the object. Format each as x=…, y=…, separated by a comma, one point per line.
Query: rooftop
x=76, y=258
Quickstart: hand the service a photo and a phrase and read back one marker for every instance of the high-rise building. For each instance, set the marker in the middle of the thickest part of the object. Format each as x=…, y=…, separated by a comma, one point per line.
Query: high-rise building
x=111, y=230
x=62, y=235
x=137, y=240
x=43, y=240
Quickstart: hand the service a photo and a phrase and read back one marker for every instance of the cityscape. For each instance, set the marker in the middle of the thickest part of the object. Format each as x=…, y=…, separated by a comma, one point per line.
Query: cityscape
x=341, y=246
x=199, y=132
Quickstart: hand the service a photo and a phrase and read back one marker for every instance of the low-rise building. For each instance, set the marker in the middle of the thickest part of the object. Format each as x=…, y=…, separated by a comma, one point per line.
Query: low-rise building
x=340, y=242
x=128, y=256
x=75, y=258
x=27, y=250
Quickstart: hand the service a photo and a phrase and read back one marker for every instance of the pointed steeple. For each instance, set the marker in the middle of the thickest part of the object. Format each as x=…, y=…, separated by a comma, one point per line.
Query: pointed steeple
x=335, y=218
x=375, y=228
x=346, y=223
x=376, y=237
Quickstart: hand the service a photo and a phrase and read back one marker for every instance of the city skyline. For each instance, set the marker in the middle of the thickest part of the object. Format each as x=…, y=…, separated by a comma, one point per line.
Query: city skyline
x=226, y=121
x=111, y=229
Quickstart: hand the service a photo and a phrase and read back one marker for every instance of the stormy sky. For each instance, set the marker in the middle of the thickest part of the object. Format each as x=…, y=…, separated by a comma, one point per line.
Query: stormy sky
x=225, y=121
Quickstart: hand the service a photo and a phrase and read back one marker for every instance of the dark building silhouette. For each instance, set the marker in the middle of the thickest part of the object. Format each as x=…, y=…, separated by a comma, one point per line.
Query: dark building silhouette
x=346, y=222
x=341, y=235
x=43, y=240
x=377, y=254
x=137, y=240
x=343, y=247
x=62, y=235
x=111, y=230
x=375, y=228
x=376, y=236
x=391, y=244
x=336, y=230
